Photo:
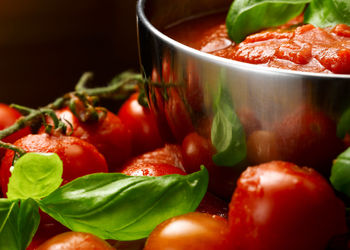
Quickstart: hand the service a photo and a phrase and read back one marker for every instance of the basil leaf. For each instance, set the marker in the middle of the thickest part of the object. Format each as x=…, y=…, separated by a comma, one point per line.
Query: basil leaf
x=325, y=13
x=35, y=175
x=120, y=207
x=18, y=223
x=340, y=174
x=248, y=16
x=227, y=133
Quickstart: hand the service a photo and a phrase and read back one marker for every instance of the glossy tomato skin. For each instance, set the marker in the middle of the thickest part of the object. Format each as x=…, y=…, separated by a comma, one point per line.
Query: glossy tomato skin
x=8, y=116
x=307, y=137
x=168, y=155
x=197, y=151
x=278, y=205
x=190, y=231
x=76, y=241
x=109, y=135
x=79, y=157
x=142, y=125
x=152, y=169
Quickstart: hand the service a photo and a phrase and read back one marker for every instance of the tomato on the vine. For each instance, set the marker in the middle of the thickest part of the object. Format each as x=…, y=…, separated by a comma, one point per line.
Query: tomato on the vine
x=142, y=124
x=75, y=240
x=278, y=205
x=79, y=157
x=190, y=231
x=8, y=116
x=109, y=135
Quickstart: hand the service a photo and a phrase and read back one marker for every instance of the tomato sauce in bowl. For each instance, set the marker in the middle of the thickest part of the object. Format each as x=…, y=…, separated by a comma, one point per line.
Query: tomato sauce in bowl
x=292, y=46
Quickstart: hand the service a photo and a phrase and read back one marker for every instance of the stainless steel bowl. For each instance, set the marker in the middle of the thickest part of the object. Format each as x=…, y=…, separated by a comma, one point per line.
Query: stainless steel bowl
x=188, y=88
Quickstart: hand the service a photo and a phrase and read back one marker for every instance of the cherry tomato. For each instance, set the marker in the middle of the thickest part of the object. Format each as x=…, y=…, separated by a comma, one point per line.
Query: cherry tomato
x=75, y=241
x=8, y=116
x=152, y=169
x=190, y=231
x=307, y=137
x=142, y=124
x=278, y=205
x=79, y=157
x=197, y=151
x=168, y=155
x=109, y=135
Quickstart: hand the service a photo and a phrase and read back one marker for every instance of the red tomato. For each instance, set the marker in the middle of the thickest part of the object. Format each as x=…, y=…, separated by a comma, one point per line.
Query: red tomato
x=152, y=169
x=8, y=116
x=197, y=150
x=142, y=124
x=75, y=241
x=190, y=231
x=79, y=157
x=307, y=137
x=168, y=155
x=109, y=135
x=279, y=205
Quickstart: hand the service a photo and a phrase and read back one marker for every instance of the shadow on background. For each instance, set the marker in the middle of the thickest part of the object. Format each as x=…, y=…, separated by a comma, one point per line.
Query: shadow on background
x=46, y=45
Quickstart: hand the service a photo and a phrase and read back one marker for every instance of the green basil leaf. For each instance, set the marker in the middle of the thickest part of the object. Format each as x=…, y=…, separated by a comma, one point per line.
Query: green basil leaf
x=35, y=175
x=248, y=16
x=340, y=174
x=325, y=13
x=227, y=133
x=18, y=223
x=116, y=206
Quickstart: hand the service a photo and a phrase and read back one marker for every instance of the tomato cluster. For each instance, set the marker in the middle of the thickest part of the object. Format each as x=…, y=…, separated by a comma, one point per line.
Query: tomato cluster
x=274, y=205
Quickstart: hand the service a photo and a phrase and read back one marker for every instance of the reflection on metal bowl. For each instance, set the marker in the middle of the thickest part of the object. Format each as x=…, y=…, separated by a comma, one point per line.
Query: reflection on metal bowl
x=250, y=114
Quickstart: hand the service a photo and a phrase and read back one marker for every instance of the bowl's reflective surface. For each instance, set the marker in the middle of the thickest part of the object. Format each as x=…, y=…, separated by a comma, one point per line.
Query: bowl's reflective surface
x=193, y=91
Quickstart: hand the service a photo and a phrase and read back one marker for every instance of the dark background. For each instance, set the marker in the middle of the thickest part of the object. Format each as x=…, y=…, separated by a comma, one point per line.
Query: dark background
x=46, y=45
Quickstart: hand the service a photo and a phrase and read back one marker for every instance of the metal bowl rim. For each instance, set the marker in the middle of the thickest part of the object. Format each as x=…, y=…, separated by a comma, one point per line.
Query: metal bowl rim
x=224, y=61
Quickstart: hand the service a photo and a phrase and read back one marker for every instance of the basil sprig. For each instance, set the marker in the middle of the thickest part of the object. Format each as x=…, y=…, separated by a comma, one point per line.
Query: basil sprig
x=248, y=16
x=18, y=223
x=227, y=133
x=116, y=206
x=111, y=206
